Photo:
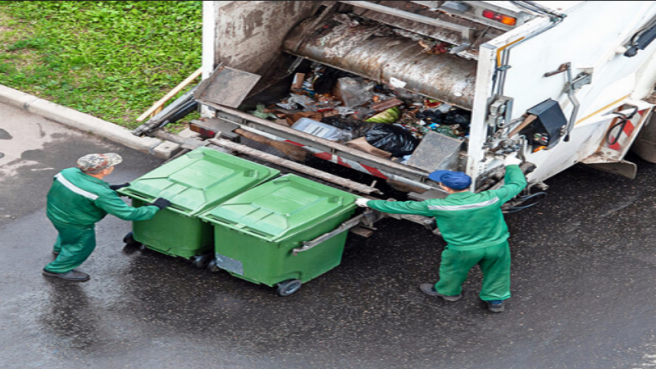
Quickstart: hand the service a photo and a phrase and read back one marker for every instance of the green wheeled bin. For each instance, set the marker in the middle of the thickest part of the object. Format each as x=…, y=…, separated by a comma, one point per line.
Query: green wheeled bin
x=259, y=234
x=193, y=183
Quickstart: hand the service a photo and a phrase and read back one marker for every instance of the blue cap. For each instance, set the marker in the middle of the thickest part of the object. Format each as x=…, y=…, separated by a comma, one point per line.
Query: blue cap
x=453, y=180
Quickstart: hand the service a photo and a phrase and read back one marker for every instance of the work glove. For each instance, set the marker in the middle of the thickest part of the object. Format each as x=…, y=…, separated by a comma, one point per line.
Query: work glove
x=161, y=203
x=362, y=202
x=512, y=159
x=119, y=186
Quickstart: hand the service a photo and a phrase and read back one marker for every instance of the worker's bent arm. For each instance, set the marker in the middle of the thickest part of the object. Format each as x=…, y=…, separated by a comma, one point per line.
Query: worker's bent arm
x=112, y=204
x=400, y=207
x=514, y=183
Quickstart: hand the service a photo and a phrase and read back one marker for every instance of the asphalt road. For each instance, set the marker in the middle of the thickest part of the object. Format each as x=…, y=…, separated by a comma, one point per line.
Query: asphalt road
x=583, y=289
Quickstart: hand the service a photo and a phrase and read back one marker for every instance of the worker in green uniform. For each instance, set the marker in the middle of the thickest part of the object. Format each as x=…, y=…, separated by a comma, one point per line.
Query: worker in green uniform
x=472, y=224
x=77, y=200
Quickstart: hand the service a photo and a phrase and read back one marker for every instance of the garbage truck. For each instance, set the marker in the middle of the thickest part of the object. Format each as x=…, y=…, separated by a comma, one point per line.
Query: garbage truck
x=398, y=89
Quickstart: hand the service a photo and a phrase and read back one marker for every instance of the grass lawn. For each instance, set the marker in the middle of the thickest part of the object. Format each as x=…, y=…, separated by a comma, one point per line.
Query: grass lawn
x=110, y=59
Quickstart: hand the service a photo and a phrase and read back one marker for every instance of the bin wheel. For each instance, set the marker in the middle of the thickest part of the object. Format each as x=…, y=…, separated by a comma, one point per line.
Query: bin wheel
x=288, y=287
x=213, y=267
x=201, y=261
x=131, y=245
x=129, y=239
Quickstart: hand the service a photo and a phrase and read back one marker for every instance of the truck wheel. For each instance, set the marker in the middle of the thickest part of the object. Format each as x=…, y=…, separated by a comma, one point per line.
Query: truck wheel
x=288, y=287
x=201, y=261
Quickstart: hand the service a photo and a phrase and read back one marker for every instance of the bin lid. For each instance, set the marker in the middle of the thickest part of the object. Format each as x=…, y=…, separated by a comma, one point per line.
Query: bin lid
x=199, y=180
x=281, y=207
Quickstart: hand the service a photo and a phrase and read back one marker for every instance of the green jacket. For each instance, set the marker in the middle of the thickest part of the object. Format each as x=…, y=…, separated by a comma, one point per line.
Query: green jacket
x=80, y=200
x=465, y=219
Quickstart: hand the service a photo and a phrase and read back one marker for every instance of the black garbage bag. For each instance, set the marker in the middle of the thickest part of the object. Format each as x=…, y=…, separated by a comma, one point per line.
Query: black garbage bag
x=456, y=116
x=357, y=127
x=434, y=116
x=326, y=82
x=392, y=139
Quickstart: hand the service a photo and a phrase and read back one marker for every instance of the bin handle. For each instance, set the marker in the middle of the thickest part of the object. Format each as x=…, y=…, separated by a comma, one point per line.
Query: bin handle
x=150, y=199
x=140, y=197
x=351, y=223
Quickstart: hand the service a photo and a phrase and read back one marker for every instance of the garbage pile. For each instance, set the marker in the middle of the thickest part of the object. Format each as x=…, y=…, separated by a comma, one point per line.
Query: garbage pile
x=382, y=119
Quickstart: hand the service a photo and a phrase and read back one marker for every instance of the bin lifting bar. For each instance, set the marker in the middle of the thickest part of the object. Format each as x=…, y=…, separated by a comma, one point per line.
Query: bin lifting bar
x=466, y=32
x=351, y=223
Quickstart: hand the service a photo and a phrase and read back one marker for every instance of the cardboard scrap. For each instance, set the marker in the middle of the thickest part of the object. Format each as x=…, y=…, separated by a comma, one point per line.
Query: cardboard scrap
x=297, y=83
x=362, y=145
x=291, y=119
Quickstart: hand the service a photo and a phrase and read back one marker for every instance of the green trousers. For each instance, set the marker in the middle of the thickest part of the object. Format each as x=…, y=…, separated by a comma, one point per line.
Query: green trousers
x=494, y=262
x=74, y=246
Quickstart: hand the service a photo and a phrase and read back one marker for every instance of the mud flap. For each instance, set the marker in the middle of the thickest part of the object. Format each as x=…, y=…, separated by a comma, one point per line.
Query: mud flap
x=624, y=168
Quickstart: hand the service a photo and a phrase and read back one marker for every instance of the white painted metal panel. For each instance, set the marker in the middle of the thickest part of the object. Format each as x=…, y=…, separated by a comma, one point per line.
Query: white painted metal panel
x=589, y=38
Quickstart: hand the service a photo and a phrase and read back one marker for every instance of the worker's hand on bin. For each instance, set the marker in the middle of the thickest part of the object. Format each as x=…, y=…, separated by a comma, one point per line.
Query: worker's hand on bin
x=361, y=202
x=119, y=186
x=512, y=159
x=161, y=203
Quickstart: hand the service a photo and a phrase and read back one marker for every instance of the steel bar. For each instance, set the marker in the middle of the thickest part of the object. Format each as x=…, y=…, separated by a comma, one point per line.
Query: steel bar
x=346, y=183
x=351, y=223
x=467, y=33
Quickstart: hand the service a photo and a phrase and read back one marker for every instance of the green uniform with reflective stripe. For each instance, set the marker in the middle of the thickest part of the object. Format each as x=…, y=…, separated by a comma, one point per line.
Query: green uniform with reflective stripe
x=76, y=202
x=472, y=224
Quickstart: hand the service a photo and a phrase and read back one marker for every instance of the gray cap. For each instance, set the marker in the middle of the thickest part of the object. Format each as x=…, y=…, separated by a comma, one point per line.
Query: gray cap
x=98, y=162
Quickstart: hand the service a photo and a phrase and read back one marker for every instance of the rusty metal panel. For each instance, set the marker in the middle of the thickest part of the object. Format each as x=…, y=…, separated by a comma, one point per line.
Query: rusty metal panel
x=436, y=151
x=226, y=86
x=374, y=52
x=249, y=33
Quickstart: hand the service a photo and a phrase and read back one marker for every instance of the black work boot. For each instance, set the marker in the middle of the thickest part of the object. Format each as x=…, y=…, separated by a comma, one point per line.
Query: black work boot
x=429, y=289
x=495, y=306
x=73, y=275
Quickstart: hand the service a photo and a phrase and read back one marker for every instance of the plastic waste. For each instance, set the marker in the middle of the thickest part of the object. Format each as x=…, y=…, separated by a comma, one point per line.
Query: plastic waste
x=322, y=130
x=354, y=91
x=388, y=116
x=363, y=113
x=391, y=138
x=260, y=113
x=302, y=100
x=343, y=110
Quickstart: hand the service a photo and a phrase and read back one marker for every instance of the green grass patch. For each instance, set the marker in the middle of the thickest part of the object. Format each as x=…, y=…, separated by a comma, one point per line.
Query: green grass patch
x=110, y=59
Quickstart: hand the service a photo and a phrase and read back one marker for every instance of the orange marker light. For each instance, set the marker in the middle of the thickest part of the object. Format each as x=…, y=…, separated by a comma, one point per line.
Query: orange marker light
x=508, y=20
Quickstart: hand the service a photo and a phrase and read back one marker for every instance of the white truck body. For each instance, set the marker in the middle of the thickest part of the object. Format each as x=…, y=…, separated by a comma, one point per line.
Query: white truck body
x=592, y=37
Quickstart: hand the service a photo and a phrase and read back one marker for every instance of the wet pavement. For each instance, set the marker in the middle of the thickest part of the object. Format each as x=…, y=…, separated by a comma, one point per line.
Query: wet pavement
x=584, y=291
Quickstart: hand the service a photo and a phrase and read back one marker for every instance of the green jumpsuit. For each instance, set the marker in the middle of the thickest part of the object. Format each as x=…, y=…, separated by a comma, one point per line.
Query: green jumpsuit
x=76, y=202
x=472, y=224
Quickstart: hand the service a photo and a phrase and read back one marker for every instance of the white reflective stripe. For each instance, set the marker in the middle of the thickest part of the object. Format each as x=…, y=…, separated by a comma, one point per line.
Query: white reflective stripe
x=464, y=207
x=74, y=188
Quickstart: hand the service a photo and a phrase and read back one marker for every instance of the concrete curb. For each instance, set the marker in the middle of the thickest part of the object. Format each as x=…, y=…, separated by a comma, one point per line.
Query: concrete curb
x=86, y=122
